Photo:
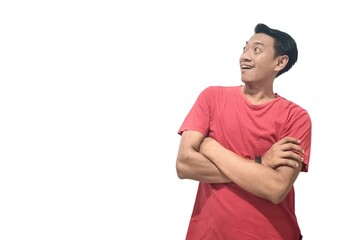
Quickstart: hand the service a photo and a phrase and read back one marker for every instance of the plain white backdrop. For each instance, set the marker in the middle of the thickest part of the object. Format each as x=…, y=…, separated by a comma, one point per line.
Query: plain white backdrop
x=92, y=94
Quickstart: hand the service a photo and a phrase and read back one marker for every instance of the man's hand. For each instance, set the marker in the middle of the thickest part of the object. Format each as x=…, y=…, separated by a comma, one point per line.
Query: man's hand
x=286, y=152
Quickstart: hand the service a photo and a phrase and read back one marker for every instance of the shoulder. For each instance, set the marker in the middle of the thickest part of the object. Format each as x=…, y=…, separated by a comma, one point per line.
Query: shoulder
x=295, y=110
x=219, y=89
x=218, y=93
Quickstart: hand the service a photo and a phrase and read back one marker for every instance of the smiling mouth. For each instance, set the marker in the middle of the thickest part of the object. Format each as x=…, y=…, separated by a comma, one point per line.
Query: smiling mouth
x=246, y=67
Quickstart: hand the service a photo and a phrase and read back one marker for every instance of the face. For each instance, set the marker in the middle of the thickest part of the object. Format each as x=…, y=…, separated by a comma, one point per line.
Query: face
x=258, y=62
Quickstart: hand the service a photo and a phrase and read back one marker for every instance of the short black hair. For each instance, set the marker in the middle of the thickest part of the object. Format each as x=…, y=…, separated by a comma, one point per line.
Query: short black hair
x=284, y=45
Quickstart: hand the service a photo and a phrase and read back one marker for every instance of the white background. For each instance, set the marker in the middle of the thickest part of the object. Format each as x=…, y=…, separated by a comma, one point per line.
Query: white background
x=92, y=94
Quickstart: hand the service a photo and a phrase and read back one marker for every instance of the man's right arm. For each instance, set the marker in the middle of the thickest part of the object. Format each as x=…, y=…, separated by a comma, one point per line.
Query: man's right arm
x=191, y=164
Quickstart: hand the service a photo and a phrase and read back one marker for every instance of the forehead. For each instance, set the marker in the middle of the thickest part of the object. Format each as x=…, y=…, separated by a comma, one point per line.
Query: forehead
x=261, y=39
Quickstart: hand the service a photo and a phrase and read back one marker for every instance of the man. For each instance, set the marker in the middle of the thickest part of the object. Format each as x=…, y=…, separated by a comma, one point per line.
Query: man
x=246, y=145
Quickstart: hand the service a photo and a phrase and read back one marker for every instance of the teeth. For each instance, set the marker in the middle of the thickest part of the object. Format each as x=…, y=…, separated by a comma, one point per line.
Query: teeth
x=246, y=67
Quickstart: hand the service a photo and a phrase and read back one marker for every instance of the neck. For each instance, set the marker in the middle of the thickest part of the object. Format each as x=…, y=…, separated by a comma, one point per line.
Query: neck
x=258, y=95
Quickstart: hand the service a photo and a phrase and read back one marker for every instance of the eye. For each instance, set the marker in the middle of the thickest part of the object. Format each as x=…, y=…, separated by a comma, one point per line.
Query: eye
x=244, y=49
x=257, y=50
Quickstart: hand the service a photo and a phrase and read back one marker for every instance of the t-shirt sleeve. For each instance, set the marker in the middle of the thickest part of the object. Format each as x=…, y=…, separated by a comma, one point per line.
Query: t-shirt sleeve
x=198, y=118
x=299, y=126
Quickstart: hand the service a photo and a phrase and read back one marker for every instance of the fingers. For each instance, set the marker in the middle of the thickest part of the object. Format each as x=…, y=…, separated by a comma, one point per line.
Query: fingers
x=285, y=152
x=289, y=140
x=292, y=147
x=292, y=156
x=291, y=163
x=291, y=144
x=291, y=159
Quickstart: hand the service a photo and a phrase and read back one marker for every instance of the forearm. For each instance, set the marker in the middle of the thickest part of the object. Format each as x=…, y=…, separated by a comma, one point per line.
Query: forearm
x=194, y=165
x=255, y=178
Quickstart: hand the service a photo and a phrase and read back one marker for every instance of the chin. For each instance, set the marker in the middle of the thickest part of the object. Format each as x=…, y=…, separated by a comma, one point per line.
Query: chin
x=244, y=80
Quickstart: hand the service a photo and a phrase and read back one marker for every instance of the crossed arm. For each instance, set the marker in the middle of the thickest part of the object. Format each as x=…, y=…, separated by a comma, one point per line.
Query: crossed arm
x=204, y=159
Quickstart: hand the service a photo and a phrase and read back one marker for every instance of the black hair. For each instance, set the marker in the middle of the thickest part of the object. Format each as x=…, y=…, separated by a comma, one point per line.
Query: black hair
x=284, y=45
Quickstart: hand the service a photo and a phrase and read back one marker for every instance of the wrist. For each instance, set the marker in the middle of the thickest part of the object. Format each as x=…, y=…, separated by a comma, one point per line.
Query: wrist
x=258, y=159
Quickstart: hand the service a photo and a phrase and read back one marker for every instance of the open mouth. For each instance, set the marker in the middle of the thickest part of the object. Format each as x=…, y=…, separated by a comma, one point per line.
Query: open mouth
x=246, y=67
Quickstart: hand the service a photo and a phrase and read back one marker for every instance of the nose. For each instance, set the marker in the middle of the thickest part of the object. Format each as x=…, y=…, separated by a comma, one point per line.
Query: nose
x=245, y=56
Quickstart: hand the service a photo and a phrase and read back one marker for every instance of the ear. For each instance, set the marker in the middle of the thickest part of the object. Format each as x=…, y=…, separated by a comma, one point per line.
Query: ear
x=281, y=62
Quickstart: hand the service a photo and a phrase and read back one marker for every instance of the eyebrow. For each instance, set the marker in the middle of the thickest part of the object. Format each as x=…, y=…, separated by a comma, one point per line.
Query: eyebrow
x=256, y=43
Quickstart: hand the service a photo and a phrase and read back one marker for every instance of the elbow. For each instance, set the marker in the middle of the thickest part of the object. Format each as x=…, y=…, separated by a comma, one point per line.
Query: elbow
x=180, y=170
x=181, y=167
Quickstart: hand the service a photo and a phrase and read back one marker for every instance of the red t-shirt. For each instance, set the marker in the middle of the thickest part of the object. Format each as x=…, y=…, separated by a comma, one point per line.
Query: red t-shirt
x=226, y=211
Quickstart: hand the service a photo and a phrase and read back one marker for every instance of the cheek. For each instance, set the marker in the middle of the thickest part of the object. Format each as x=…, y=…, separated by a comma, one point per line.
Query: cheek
x=265, y=64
